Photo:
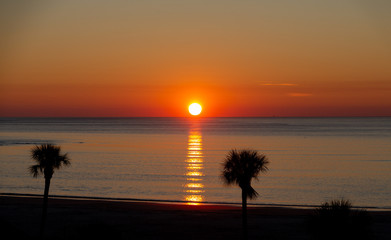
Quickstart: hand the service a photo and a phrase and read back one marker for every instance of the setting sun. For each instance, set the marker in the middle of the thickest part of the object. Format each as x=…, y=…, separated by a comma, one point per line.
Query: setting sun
x=195, y=109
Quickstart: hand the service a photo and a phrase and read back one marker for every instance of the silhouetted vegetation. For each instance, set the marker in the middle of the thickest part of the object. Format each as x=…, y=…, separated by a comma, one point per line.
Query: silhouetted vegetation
x=337, y=220
x=48, y=158
x=239, y=168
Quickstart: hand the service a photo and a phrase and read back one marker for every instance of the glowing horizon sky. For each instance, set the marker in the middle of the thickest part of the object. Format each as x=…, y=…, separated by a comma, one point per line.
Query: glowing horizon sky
x=236, y=58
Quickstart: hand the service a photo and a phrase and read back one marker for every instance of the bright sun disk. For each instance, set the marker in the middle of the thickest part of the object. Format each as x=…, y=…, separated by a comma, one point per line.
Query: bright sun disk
x=195, y=109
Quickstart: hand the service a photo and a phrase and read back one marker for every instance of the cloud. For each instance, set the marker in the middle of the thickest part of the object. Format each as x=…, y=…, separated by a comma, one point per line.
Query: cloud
x=279, y=84
x=300, y=94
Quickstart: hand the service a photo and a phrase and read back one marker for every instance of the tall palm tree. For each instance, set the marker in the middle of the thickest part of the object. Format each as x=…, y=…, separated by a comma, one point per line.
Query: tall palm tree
x=239, y=168
x=48, y=158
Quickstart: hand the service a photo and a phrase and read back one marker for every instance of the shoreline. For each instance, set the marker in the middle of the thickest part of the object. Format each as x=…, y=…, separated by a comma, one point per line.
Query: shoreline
x=117, y=219
x=162, y=201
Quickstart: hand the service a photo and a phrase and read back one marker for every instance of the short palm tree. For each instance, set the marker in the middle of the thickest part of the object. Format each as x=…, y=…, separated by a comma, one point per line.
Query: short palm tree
x=47, y=157
x=239, y=168
x=338, y=220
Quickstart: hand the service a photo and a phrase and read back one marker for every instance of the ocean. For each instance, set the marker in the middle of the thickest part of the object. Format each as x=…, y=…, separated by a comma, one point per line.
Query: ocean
x=312, y=160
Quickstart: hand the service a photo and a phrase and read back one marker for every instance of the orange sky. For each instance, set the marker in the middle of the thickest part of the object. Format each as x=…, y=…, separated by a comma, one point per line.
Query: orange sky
x=153, y=58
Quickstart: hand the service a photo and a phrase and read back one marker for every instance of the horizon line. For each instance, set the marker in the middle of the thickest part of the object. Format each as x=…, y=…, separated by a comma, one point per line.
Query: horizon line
x=197, y=117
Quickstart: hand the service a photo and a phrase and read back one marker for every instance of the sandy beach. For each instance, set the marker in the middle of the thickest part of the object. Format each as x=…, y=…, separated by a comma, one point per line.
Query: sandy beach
x=104, y=219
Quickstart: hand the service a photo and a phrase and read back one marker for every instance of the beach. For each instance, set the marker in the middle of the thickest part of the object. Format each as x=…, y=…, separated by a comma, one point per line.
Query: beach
x=109, y=219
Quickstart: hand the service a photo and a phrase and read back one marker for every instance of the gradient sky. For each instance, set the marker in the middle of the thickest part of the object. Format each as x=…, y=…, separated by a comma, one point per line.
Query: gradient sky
x=236, y=58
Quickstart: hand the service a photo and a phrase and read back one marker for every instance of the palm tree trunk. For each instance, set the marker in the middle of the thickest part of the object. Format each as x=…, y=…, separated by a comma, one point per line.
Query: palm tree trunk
x=45, y=205
x=244, y=214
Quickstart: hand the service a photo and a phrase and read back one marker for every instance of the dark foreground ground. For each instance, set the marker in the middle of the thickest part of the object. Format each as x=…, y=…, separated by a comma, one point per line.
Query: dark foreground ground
x=102, y=219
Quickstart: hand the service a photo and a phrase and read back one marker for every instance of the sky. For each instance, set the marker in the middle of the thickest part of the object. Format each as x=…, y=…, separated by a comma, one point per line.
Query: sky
x=153, y=58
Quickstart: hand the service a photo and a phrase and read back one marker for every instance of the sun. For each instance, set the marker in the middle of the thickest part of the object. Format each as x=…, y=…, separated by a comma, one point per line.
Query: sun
x=195, y=109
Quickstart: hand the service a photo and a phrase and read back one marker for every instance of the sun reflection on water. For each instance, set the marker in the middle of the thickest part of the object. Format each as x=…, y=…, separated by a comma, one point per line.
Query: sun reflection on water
x=194, y=189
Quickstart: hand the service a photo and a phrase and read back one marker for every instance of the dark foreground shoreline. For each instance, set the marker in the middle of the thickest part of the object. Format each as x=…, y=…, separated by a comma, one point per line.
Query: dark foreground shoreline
x=110, y=219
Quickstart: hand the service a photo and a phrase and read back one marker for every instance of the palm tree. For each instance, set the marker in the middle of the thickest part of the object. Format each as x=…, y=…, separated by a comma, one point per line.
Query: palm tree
x=47, y=157
x=338, y=220
x=239, y=168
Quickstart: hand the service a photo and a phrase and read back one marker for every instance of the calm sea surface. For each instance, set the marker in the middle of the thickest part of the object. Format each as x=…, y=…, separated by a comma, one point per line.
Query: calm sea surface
x=311, y=159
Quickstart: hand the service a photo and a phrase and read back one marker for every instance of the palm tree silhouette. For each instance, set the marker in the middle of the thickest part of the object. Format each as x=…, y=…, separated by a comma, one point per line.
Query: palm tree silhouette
x=338, y=220
x=48, y=157
x=239, y=168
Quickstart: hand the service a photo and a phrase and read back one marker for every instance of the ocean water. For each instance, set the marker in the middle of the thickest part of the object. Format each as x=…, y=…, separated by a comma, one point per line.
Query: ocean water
x=179, y=159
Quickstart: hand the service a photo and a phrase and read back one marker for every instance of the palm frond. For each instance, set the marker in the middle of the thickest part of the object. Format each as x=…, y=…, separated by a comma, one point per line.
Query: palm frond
x=35, y=170
x=36, y=153
x=251, y=193
x=63, y=160
x=48, y=158
x=231, y=168
x=240, y=167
